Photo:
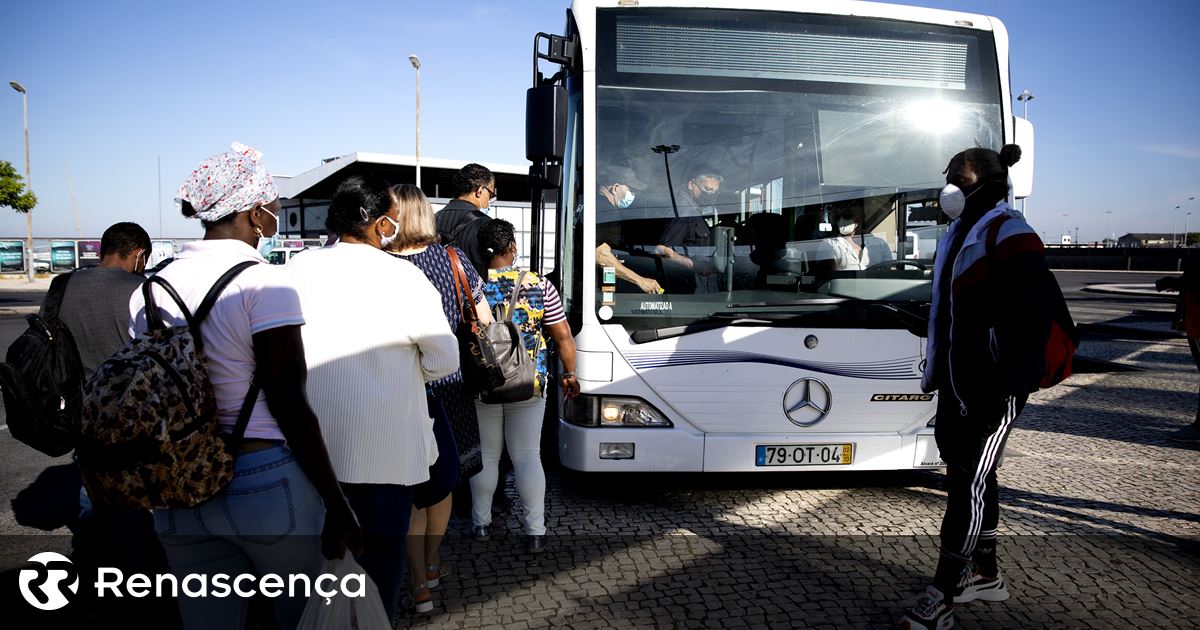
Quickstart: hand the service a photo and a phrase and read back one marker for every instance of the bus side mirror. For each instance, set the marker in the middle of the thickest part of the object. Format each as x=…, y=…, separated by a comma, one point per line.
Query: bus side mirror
x=545, y=123
x=1021, y=173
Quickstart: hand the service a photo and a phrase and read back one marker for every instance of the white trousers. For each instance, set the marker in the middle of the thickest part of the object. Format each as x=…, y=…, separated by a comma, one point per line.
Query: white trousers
x=519, y=425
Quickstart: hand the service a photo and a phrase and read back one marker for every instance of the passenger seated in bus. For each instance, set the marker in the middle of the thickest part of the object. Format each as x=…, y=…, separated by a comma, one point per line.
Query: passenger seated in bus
x=852, y=249
x=768, y=237
x=616, y=192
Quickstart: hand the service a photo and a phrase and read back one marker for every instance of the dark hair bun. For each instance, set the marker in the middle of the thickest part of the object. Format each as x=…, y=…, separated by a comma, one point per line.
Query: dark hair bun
x=1010, y=154
x=186, y=209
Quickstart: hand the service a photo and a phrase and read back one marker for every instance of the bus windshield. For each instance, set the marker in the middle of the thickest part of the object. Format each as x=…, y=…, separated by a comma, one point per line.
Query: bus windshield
x=775, y=163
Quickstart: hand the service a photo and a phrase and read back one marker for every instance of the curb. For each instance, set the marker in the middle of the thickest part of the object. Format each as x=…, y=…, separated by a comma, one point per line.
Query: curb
x=1134, y=290
x=19, y=310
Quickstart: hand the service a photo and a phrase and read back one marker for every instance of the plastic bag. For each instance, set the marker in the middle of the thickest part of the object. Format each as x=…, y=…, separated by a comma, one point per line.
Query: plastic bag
x=342, y=612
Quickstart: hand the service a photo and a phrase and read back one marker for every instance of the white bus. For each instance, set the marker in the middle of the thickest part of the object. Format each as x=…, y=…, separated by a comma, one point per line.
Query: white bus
x=739, y=329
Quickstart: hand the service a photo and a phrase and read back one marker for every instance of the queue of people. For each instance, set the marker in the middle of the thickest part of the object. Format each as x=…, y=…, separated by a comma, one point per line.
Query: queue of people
x=336, y=382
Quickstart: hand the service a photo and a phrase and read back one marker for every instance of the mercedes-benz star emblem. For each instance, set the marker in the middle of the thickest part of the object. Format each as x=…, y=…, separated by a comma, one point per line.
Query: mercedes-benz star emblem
x=807, y=402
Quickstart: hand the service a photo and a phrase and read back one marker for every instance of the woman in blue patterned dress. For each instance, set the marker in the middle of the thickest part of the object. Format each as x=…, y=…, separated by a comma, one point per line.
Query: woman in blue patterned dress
x=456, y=430
x=538, y=313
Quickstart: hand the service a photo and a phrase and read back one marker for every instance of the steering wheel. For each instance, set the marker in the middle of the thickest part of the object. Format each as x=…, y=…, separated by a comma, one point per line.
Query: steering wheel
x=890, y=264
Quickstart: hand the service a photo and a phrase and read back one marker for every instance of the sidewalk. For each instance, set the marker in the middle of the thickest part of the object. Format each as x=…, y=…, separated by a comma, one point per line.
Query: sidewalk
x=18, y=282
x=1143, y=290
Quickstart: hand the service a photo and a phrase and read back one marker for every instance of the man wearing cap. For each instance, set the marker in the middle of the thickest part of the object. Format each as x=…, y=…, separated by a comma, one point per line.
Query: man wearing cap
x=616, y=193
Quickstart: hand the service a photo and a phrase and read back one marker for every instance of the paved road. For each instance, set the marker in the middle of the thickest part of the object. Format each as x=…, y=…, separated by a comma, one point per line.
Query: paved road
x=1100, y=526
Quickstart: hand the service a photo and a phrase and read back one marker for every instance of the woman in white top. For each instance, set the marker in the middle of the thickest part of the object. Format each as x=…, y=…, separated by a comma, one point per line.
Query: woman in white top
x=374, y=334
x=853, y=250
x=284, y=492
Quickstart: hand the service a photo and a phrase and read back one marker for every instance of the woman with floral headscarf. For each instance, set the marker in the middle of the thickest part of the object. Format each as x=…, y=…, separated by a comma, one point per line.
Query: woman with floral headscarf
x=284, y=506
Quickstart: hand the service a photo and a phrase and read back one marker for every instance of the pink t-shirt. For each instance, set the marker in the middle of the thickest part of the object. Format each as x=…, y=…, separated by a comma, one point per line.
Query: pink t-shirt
x=259, y=299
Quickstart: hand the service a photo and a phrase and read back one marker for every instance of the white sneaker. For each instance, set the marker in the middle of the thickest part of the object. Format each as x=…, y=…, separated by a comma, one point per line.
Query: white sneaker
x=974, y=586
x=931, y=612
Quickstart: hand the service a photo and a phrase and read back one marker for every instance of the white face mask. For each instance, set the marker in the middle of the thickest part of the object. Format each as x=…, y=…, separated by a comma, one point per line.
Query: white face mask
x=627, y=200
x=954, y=201
x=385, y=241
x=846, y=227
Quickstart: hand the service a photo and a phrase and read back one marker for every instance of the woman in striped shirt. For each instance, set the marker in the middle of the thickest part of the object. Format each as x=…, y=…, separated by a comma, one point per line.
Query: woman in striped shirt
x=519, y=425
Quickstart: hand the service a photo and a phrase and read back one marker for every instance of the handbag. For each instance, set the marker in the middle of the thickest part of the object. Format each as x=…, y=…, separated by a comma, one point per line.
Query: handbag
x=342, y=610
x=476, y=357
x=512, y=357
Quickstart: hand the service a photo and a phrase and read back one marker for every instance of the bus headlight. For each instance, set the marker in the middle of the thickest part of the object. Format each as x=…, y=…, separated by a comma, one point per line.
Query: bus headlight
x=609, y=411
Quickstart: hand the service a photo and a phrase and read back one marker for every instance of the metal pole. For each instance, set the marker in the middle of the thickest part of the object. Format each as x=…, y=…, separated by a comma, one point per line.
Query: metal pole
x=28, y=183
x=416, y=64
x=160, y=196
x=1174, y=233
x=1025, y=97
x=1185, y=228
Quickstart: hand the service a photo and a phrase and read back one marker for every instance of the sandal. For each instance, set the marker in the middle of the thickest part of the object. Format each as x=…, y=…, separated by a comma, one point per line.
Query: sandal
x=422, y=601
x=434, y=574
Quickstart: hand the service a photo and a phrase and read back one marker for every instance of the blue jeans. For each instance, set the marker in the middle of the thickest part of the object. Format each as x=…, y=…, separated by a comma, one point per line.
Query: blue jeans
x=267, y=520
x=383, y=510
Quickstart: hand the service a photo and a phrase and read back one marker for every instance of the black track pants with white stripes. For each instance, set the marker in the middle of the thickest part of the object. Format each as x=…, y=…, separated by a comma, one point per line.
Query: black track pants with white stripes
x=971, y=446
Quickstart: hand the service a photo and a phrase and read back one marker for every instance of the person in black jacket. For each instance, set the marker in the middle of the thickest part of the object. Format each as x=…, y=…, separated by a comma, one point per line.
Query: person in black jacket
x=458, y=223
x=988, y=329
x=1187, y=321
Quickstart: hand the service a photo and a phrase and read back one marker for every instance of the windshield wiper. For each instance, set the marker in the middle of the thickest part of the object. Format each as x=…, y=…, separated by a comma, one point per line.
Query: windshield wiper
x=815, y=302
x=912, y=322
x=712, y=322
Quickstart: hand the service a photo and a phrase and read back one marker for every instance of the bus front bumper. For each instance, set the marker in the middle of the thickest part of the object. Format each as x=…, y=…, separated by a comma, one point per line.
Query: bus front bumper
x=610, y=449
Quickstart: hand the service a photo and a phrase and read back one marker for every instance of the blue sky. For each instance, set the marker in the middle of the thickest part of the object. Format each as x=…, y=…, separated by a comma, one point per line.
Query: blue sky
x=114, y=86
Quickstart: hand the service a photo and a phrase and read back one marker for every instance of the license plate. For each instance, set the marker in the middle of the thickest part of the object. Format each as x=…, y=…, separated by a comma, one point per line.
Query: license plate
x=803, y=454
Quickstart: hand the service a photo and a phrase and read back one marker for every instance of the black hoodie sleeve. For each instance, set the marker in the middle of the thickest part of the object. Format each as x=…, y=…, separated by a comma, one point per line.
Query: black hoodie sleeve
x=1025, y=287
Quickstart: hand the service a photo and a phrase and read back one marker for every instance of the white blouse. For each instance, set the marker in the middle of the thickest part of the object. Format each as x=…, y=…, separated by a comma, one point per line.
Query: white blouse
x=374, y=333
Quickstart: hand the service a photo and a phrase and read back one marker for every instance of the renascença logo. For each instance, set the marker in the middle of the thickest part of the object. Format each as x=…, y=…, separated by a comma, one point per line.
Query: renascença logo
x=40, y=586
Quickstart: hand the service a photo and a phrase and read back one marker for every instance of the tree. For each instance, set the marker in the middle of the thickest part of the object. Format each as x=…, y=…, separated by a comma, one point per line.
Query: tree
x=12, y=190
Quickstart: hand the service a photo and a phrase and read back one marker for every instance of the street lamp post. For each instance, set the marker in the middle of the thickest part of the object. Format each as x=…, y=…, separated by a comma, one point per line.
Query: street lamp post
x=1108, y=225
x=416, y=64
x=1066, y=230
x=28, y=184
x=1186, y=204
x=1025, y=97
x=1174, y=233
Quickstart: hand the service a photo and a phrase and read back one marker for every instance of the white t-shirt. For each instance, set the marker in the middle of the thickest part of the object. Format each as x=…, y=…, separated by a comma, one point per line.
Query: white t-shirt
x=375, y=332
x=843, y=254
x=259, y=299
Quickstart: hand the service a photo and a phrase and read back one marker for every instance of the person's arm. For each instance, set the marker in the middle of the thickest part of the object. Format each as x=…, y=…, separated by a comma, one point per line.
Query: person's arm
x=482, y=310
x=561, y=334
x=282, y=372
x=1023, y=311
x=428, y=329
x=669, y=253
x=605, y=258
x=555, y=323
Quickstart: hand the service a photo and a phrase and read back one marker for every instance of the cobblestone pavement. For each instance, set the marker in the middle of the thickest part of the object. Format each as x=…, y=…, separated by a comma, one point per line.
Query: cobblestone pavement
x=1100, y=528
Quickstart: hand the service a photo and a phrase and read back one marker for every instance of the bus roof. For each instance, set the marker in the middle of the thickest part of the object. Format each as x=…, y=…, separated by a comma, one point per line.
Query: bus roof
x=828, y=7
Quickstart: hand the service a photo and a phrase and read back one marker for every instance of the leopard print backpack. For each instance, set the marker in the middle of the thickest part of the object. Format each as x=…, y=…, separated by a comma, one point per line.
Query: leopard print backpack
x=149, y=435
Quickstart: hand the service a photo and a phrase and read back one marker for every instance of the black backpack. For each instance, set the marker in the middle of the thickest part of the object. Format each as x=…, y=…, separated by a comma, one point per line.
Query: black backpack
x=42, y=379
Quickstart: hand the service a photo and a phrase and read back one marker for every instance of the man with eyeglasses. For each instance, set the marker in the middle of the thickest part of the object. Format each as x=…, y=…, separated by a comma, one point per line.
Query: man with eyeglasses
x=474, y=189
x=693, y=203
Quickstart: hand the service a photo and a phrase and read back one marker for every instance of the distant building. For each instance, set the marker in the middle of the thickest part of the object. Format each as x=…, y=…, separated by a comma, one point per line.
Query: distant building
x=1147, y=240
x=305, y=197
x=1065, y=239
